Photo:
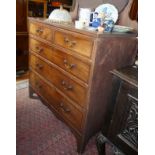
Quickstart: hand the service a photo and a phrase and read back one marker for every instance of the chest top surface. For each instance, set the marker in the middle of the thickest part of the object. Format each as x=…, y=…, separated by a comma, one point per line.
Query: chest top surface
x=71, y=27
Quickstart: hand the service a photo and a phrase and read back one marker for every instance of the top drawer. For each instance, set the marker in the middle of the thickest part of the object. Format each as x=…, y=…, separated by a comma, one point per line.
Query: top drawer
x=75, y=42
x=41, y=31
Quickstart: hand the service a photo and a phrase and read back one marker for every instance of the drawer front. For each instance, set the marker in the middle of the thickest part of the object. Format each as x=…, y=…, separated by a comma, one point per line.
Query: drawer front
x=63, y=60
x=43, y=89
x=72, y=65
x=69, y=112
x=41, y=31
x=76, y=43
x=41, y=49
x=69, y=87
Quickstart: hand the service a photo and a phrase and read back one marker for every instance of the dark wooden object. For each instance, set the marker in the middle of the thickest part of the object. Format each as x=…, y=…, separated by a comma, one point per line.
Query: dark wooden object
x=44, y=3
x=21, y=36
x=123, y=129
x=129, y=15
x=60, y=55
x=134, y=10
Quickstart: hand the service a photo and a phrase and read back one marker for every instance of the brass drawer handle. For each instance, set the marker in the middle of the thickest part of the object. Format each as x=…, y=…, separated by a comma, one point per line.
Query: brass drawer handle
x=69, y=42
x=65, y=109
x=38, y=49
x=66, y=85
x=66, y=40
x=72, y=43
x=68, y=65
x=39, y=30
x=39, y=66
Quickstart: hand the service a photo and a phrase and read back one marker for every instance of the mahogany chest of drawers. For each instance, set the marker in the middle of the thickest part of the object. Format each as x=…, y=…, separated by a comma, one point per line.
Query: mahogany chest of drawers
x=69, y=70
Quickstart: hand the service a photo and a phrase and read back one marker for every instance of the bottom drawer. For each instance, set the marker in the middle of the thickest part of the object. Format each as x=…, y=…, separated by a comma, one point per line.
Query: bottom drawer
x=65, y=109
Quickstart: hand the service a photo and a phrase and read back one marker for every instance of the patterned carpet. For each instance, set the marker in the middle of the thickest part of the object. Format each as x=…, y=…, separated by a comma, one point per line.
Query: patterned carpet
x=39, y=132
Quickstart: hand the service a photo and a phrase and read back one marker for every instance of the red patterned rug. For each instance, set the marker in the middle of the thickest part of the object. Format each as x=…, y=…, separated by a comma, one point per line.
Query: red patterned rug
x=39, y=132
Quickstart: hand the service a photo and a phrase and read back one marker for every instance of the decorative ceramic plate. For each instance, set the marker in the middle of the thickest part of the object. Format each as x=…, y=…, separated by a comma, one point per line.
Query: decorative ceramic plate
x=119, y=28
x=109, y=10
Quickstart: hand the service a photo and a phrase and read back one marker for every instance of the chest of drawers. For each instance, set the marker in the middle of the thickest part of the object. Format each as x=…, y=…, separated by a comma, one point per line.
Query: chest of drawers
x=69, y=70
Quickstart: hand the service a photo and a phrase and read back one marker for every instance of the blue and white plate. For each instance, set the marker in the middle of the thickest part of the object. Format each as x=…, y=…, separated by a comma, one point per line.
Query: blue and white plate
x=109, y=10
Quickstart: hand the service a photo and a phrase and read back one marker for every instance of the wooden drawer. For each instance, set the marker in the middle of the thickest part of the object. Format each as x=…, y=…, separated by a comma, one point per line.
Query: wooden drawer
x=69, y=112
x=69, y=87
x=41, y=31
x=63, y=60
x=78, y=43
x=41, y=49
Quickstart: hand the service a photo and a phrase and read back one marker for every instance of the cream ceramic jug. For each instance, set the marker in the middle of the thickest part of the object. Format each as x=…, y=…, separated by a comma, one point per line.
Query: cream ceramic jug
x=84, y=15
